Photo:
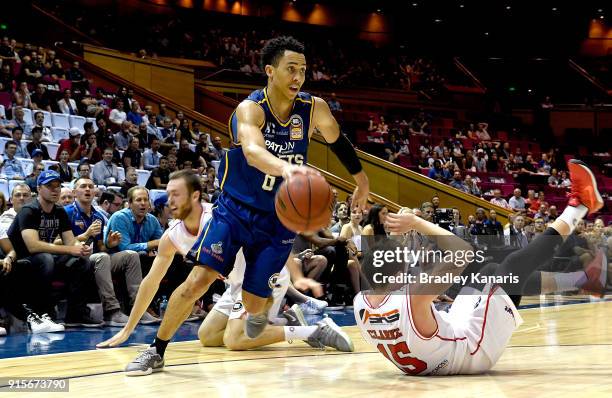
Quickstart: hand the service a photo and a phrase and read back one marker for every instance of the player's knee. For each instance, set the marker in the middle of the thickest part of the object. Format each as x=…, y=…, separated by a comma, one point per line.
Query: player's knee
x=234, y=338
x=319, y=261
x=208, y=339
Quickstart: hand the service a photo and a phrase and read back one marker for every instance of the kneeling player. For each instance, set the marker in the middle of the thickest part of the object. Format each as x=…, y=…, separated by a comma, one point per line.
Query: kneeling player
x=405, y=326
x=225, y=323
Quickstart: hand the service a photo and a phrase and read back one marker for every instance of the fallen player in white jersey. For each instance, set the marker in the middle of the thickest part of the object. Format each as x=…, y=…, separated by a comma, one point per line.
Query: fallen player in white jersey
x=402, y=323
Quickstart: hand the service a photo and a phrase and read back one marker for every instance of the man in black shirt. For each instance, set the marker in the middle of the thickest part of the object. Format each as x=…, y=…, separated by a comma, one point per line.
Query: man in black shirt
x=33, y=234
x=159, y=176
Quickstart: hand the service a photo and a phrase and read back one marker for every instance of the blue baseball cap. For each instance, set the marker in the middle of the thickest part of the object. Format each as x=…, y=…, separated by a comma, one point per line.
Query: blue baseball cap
x=48, y=176
x=161, y=201
x=37, y=152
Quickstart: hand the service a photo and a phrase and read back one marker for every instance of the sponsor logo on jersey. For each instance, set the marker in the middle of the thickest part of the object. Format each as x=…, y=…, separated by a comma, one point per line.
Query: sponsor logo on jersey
x=273, y=281
x=392, y=334
x=237, y=306
x=296, y=128
x=217, y=248
x=438, y=368
x=377, y=319
x=80, y=224
x=288, y=241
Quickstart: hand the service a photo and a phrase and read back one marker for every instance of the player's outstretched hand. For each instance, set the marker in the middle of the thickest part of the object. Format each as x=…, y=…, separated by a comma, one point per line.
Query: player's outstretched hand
x=293, y=169
x=305, y=284
x=401, y=223
x=360, y=198
x=117, y=339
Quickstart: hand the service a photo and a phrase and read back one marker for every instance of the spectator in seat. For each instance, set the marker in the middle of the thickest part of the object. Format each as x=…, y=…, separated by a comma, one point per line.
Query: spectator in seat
x=515, y=235
x=480, y=162
x=105, y=172
x=351, y=232
x=22, y=96
x=152, y=156
x=186, y=154
x=135, y=114
x=32, y=180
x=493, y=226
x=39, y=121
x=124, y=136
x=67, y=105
x=65, y=170
x=552, y=213
x=553, y=180
x=117, y=115
x=18, y=278
x=516, y=202
x=34, y=240
x=66, y=197
x=90, y=104
x=161, y=114
x=542, y=212
x=76, y=76
x=312, y=265
x=41, y=99
x=22, y=150
x=89, y=146
x=131, y=180
x=343, y=217
x=110, y=203
x=544, y=164
x=18, y=120
x=7, y=79
x=210, y=183
x=419, y=124
x=438, y=172
x=11, y=167
x=132, y=157
x=83, y=171
x=458, y=183
x=159, y=176
x=564, y=181
x=218, y=152
x=88, y=225
x=472, y=186
x=167, y=132
x=103, y=134
x=493, y=163
x=392, y=149
x=334, y=104
x=498, y=200
x=481, y=133
x=56, y=71
x=172, y=163
x=72, y=145
x=36, y=143
x=375, y=222
x=478, y=226
x=184, y=132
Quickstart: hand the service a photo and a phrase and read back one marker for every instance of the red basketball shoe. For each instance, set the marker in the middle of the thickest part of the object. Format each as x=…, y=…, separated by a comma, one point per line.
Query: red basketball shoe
x=584, y=187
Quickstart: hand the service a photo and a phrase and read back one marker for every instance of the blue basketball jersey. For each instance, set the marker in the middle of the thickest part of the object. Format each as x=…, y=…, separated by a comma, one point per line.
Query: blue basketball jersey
x=287, y=140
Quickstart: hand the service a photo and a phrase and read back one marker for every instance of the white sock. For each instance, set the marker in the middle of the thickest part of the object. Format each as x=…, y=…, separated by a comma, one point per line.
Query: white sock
x=299, y=332
x=571, y=215
x=569, y=281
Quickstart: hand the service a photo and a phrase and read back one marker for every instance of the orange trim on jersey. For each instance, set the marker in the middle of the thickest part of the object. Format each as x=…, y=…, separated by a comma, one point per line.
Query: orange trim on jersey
x=311, y=114
x=414, y=329
x=365, y=298
x=484, y=323
x=283, y=124
x=368, y=315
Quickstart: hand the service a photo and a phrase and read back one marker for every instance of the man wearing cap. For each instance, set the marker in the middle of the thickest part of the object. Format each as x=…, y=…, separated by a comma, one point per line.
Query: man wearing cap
x=33, y=234
x=87, y=224
x=12, y=167
x=36, y=143
x=72, y=145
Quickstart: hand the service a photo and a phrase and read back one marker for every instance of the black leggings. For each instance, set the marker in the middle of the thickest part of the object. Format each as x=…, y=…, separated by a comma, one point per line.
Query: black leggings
x=523, y=263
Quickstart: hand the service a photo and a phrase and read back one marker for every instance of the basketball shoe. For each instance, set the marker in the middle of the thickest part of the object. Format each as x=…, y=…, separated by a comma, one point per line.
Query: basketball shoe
x=312, y=306
x=147, y=362
x=330, y=335
x=295, y=316
x=597, y=273
x=584, y=187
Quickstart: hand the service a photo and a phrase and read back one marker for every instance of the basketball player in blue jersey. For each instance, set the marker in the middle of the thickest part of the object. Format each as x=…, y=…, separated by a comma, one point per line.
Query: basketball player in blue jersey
x=271, y=130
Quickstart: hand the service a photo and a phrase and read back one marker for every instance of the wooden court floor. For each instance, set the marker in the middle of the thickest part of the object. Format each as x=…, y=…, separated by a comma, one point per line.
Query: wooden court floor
x=560, y=351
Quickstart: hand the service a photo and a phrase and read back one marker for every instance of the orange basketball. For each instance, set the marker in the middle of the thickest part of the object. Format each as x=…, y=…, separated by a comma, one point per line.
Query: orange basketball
x=304, y=203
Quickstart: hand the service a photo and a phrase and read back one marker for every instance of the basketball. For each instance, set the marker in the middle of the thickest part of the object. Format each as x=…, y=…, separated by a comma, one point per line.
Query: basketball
x=304, y=203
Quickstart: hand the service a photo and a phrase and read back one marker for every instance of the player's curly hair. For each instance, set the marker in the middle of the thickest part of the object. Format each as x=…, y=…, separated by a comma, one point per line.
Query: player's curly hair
x=275, y=48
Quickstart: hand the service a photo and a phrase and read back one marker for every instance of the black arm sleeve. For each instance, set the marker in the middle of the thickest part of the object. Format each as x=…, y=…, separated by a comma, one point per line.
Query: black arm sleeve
x=346, y=153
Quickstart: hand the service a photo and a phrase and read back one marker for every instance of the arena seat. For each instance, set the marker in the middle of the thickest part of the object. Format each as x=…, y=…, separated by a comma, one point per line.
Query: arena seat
x=78, y=122
x=60, y=120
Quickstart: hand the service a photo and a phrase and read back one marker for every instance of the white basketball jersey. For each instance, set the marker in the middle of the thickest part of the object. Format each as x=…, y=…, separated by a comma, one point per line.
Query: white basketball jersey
x=455, y=347
x=182, y=240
